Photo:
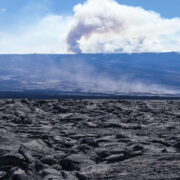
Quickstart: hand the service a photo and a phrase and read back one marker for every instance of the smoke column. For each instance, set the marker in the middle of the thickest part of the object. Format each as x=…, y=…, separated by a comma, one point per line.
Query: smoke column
x=88, y=23
x=106, y=26
x=85, y=30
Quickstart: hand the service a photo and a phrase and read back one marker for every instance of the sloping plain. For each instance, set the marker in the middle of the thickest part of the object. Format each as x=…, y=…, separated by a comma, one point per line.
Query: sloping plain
x=85, y=72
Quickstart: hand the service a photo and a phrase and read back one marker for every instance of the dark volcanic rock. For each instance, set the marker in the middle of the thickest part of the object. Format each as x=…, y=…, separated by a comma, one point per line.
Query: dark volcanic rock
x=177, y=145
x=89, y=139
x=2, y=174
x=48, y=160
x=11, y=160
x=75, y=162
x=115, y=158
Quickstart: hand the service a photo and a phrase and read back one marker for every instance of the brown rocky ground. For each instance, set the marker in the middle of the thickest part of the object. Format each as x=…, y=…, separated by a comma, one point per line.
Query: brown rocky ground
x=89, y=139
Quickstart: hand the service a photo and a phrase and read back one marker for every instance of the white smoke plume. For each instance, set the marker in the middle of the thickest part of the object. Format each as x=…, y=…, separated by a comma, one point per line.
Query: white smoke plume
x=106, y=26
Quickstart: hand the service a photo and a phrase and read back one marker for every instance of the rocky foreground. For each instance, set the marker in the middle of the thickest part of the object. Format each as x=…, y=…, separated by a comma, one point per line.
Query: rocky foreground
x=89, y=139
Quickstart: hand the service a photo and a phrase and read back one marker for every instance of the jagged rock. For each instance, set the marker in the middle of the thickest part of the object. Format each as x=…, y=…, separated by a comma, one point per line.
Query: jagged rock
x=177, y=145
x=90, y=124
x=57, y=167
x=50, y=173
x=19, y=174
x=115, y=158
x=48, y=160
x=53, y=177
x=75, y=162
x=89, y=142
x=28, y=157
x=81, y=176
x=12, y=160
x=102, y=153
x=68, y=175
x=2, y=174
x=60, y=109
x=89, y=139
x=20, y=177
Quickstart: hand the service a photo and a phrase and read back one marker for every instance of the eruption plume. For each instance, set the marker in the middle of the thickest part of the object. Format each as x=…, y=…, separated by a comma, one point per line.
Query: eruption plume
x=106, y=26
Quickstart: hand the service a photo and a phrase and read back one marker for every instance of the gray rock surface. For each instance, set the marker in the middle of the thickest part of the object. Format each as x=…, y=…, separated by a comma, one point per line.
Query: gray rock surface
x=89, y=139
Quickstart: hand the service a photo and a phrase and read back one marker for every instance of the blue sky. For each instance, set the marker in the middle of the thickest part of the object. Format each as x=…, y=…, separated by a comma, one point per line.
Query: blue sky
x=19, y=15
x=168, y=8
x=28, y=10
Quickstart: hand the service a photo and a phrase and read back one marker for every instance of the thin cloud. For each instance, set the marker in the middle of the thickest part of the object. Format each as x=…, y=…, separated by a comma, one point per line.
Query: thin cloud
x=3, y=9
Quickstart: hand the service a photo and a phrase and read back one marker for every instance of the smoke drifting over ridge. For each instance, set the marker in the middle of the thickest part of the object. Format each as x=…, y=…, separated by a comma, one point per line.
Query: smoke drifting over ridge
x=106, y=26
x=91, y=73
x=78, y=73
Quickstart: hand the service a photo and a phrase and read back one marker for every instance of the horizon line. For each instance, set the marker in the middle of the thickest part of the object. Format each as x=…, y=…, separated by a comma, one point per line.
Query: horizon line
x=168, y=52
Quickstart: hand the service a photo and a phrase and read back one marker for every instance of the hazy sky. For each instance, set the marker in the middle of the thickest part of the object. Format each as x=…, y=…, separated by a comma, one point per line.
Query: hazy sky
x=57, y=26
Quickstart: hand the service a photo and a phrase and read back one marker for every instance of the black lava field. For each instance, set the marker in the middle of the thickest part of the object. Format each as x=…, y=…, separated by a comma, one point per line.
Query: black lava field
x=89, y=139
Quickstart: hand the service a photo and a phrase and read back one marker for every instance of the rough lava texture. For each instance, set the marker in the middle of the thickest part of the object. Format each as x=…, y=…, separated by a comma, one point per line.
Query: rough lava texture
x=89, y=140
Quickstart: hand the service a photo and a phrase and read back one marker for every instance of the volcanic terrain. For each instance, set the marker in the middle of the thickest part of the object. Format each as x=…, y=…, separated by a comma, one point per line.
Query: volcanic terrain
x=89, y=139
